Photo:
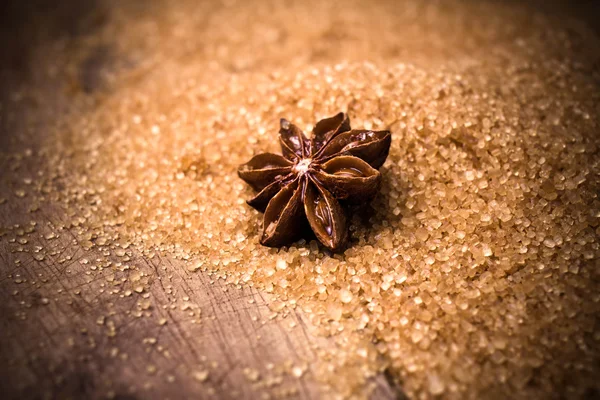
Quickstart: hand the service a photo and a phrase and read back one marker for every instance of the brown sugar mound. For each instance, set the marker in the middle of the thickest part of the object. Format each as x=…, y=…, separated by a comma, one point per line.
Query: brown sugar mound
x=479, y=246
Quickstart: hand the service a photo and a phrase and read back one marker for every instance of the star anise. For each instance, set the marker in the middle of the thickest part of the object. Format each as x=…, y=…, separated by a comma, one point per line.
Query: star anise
x=306, y=183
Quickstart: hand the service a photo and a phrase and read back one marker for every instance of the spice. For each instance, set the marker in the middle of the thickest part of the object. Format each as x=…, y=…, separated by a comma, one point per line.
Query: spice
x=314, y=179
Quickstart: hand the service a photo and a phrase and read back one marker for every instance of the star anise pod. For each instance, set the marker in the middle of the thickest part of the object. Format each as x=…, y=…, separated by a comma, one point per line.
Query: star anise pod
x=306, y=183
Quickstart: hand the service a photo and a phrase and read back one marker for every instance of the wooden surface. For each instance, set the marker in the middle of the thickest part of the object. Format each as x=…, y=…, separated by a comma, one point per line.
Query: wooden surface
x=63, y=336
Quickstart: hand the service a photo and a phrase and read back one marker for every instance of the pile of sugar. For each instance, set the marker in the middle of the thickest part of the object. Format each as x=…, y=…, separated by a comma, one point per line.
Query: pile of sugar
x=474, y=269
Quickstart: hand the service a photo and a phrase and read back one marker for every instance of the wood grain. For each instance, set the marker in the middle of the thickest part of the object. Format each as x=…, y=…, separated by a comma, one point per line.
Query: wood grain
x=67, y=334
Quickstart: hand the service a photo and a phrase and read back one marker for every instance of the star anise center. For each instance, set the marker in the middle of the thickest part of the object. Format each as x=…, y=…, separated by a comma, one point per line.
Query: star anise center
x=313, y=181
x=303, y=166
